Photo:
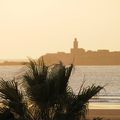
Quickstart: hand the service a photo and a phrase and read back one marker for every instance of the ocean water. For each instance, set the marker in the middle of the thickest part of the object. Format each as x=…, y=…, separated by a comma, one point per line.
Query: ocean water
x=108, y=76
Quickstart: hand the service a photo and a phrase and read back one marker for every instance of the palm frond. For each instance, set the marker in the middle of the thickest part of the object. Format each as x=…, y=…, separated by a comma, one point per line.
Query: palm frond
x=9, y=91
x=37, y=72
x=5, y=114
x=87, y=93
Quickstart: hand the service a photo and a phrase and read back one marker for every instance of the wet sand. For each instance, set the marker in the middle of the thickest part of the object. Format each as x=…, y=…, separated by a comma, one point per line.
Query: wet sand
x=107, y=114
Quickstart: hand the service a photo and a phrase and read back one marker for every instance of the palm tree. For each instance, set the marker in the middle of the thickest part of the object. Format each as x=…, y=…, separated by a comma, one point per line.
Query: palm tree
x=48, y=88
x=50, y=96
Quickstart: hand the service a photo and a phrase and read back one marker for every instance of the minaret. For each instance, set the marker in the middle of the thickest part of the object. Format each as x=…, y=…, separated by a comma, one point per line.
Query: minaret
x=75, y=44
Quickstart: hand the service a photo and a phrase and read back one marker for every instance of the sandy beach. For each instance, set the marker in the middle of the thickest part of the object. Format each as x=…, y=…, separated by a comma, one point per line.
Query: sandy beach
x=107, y=114
x=104, y=110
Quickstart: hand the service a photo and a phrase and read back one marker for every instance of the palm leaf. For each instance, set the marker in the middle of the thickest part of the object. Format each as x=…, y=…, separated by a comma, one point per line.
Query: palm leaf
x=12, y=95
x=37, y=72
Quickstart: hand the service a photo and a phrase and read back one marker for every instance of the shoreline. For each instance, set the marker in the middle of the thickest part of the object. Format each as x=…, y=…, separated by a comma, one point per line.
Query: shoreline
x=107, y=111
x=107, y=106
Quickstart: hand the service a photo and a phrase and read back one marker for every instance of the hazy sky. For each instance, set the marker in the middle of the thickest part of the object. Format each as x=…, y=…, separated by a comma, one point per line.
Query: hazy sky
x=35, y=27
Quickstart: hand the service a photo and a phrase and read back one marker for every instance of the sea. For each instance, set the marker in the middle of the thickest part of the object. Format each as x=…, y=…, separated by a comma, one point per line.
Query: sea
x=107, y=76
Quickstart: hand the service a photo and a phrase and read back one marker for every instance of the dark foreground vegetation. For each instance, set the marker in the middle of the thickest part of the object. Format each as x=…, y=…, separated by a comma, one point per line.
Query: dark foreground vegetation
x=48, y=95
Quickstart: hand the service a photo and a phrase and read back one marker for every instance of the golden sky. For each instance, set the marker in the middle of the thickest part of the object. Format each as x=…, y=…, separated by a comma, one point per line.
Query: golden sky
x=35, y=27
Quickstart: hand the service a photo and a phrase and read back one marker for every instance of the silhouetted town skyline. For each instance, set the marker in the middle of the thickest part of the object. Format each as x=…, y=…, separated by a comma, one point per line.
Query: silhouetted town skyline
x=79, y=56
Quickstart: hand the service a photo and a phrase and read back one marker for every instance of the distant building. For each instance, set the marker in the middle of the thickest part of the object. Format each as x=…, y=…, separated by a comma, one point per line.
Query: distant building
x=78, y=56
x=75, y=50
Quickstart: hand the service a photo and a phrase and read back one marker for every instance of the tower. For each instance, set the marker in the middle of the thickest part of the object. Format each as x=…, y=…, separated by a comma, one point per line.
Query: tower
x=75, y=50
x=75, y=44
